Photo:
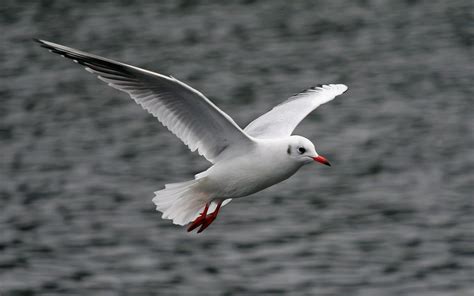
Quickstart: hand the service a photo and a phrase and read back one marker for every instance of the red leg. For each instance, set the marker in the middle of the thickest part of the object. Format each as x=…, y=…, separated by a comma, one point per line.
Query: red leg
x=199, y=220
x=210, y=218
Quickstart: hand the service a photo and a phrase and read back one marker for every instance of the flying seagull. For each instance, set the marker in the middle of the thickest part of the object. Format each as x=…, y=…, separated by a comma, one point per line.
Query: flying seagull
x=244, y=161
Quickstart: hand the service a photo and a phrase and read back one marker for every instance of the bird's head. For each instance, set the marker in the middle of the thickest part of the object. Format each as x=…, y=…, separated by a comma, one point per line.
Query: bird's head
x=302, y=150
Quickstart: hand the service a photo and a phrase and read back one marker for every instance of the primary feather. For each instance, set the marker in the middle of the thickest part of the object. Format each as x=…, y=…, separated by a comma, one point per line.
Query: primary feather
x=183, y=110
x=283, y=119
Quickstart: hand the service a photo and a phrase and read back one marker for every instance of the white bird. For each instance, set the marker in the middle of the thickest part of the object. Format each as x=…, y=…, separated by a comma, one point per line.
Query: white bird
x=243, y=161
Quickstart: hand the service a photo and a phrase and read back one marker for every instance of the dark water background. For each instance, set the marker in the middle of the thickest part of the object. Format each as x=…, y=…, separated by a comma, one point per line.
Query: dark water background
x=79, y=161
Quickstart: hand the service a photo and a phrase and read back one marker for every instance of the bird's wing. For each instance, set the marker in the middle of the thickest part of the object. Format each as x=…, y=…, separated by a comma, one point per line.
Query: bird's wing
x=283, y=118
x=186, y=112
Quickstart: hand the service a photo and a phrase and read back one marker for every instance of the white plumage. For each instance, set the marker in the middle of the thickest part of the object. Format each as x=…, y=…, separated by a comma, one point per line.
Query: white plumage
x=244, y=161
x=283, y=118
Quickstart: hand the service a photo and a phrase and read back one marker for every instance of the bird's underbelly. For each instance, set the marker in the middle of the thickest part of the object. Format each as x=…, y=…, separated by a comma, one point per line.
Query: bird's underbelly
x=243, y=177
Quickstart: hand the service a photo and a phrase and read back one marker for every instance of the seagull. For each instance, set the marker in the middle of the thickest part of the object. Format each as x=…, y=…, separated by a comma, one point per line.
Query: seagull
x=244, y=161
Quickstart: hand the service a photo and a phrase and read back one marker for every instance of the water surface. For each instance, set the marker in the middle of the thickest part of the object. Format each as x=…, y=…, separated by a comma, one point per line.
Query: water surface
x=80, y=161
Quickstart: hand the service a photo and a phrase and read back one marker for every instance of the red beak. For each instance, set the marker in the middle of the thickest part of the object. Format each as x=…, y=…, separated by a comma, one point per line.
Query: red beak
x=322, y=160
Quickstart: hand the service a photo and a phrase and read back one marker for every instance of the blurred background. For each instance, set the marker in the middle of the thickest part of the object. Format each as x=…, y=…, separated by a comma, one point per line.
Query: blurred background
x=79, y=160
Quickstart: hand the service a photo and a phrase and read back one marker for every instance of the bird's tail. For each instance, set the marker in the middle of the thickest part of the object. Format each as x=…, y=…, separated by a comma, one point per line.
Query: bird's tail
x=182, y=202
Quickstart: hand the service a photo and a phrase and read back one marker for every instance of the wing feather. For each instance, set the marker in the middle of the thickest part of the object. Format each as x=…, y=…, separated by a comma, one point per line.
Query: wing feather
x=186, y=112
x=285, y=117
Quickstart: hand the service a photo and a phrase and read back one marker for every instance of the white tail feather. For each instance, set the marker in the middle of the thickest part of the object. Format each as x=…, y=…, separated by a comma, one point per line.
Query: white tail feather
x=182, y=202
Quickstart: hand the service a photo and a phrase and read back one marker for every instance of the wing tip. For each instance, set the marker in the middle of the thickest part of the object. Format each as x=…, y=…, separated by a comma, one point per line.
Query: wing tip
x=341, y=87
x=52, y=47
x=337, y=88
x=42, y=42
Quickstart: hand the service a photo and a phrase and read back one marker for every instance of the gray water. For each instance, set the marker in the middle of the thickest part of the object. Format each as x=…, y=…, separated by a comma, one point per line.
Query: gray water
x=79, y=161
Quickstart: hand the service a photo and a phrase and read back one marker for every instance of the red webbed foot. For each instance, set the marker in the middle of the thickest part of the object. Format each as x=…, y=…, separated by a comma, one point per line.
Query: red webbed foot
x=204, y=219
x=199, y=220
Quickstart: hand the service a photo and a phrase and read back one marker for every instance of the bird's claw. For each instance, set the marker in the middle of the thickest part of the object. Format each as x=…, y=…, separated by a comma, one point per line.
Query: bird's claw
x=199, y=221
x=204, y=219
x=207, y=221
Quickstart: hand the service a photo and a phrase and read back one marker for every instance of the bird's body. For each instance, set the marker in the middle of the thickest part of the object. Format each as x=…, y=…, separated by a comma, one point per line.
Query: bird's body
x=243, y=161
x=264, y=165
x=236, y=174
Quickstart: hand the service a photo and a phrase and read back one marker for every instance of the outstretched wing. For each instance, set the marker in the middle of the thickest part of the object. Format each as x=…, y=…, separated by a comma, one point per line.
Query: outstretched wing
x=283, y=119
x=186, y=112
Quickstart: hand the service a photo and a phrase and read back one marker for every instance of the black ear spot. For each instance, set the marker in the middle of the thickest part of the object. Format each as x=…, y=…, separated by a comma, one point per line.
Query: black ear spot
x=288, y=151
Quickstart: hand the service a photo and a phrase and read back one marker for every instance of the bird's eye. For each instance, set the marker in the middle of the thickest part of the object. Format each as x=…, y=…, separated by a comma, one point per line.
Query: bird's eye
x=301, y=150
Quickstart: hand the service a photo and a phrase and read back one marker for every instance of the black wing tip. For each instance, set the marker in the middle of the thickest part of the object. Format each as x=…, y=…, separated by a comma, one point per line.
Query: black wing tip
x=41, y=42
x=85, y=59
x=320, y=86
x=317, y=87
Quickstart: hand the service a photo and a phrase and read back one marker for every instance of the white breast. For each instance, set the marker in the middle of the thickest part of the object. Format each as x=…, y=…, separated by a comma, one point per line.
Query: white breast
x=245, y=174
